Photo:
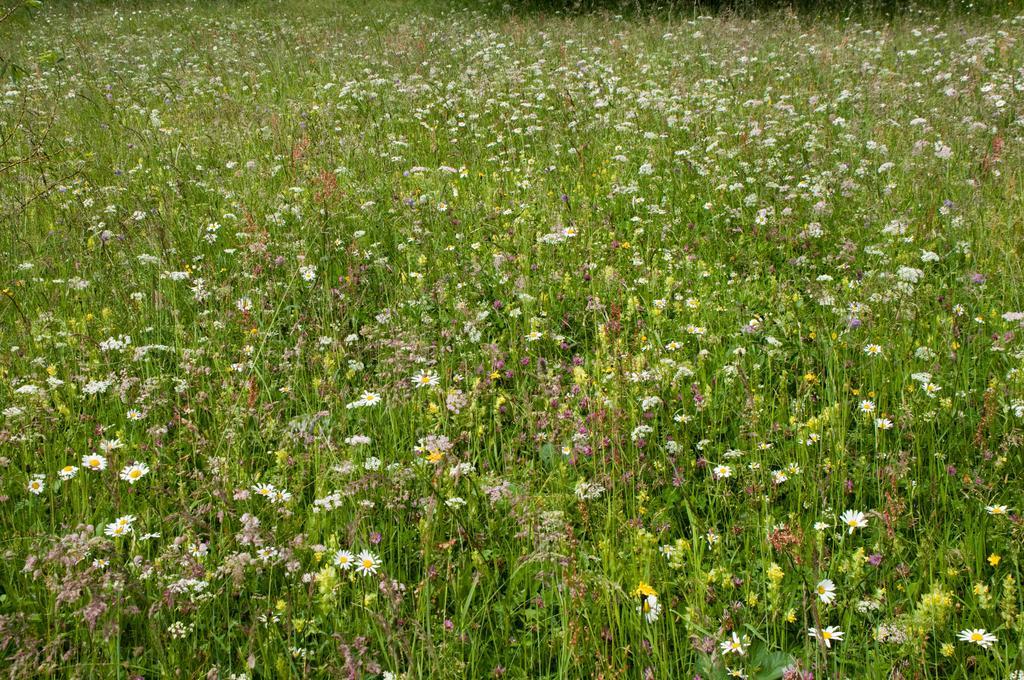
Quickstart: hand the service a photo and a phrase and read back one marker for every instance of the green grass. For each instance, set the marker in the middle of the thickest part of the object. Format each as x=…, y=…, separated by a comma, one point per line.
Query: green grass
x=630, y=249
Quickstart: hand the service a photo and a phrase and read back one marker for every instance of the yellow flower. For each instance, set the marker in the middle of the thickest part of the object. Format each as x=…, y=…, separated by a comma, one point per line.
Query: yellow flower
x=937, y=598
x=993, y=559
x=645, y=590
x=947, y=650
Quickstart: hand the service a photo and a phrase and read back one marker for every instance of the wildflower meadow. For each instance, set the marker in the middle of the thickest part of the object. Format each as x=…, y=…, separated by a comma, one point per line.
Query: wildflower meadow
x=477, y=340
